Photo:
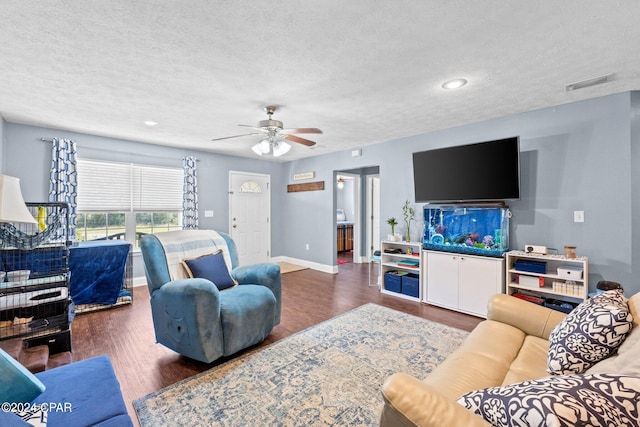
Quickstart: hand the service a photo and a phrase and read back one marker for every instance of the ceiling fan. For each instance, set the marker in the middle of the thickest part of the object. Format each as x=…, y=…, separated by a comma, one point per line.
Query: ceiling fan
x=274, y=135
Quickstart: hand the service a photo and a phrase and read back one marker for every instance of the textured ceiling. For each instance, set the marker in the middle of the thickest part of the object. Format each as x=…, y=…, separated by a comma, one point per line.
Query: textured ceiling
x=363, y=72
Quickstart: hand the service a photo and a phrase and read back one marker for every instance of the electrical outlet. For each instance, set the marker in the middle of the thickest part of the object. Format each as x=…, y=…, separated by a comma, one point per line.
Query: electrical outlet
x=208, y=214
x=307, y=246
x=578, y=216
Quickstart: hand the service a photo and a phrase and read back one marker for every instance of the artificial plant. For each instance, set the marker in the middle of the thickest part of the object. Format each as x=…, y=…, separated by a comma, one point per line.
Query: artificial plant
x=409, y=214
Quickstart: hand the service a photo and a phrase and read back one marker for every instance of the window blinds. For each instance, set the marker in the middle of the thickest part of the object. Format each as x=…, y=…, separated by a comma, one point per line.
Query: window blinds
x=122, y=187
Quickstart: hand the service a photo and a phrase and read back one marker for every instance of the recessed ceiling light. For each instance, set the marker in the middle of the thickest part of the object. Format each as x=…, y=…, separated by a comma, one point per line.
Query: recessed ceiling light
x=150, y=123
x=454, y=84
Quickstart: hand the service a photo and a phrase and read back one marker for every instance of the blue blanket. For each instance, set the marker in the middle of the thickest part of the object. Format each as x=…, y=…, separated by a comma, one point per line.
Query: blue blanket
x=97, y=271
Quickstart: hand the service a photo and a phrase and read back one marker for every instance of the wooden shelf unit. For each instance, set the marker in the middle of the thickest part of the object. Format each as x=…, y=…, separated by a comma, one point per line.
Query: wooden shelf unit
x=389, y=262
x=576, y=293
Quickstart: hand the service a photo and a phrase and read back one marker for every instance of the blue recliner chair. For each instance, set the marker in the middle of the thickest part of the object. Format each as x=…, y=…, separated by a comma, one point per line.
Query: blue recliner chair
x=190, y=315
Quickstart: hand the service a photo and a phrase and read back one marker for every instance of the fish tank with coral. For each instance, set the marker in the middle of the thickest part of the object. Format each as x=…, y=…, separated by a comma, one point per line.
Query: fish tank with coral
x=475, y=230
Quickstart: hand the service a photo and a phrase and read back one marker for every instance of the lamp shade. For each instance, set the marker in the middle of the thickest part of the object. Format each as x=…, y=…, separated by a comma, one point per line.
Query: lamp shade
x=281, y=148
x=256, y=149
x=12, y=206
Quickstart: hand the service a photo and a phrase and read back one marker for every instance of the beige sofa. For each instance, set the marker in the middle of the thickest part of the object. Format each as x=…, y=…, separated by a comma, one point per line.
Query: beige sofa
x=509, y=347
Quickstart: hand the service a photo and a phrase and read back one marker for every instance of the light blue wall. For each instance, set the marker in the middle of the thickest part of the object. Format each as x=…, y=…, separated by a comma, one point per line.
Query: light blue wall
x=574, y=157
x=579, y=156
x=29, y=158
x=344, y=199
x=634, y=159
x=1, y=145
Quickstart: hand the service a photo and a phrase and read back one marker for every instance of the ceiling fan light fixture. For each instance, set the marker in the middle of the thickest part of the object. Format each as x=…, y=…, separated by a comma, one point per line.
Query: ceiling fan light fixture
x=256, y=149
x=281, y=148
x=264, y=146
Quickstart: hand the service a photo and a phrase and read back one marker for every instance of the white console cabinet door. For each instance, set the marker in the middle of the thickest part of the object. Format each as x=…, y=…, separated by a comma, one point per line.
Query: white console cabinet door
x=442, y=280
x=478, y=280
x=463, y=282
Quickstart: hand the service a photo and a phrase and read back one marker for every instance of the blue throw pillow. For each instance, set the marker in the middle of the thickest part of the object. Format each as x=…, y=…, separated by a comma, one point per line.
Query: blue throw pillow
x=17, y=384
x=211, y=267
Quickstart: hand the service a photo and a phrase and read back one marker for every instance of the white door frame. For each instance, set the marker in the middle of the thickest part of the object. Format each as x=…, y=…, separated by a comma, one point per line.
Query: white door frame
x=357, y=210
x=372, y=213
x=268, y=193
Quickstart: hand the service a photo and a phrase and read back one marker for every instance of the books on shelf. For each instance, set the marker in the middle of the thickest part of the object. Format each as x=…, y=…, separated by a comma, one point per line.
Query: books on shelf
x=411, y=263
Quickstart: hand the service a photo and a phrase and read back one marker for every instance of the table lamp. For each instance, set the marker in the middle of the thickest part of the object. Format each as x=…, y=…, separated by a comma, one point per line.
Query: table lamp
x=12, y=206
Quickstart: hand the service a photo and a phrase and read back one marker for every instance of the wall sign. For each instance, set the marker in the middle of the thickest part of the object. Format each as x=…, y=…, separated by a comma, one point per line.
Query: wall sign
x=304, y=175
x=307, y=186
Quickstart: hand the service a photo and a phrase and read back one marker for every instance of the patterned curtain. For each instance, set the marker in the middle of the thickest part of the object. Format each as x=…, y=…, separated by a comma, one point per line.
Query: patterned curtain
x=63, y=185
x=190, y=194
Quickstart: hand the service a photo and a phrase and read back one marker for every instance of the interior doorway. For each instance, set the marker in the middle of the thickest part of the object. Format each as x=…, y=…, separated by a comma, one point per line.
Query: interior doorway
x=357, y=208
x=347, y=217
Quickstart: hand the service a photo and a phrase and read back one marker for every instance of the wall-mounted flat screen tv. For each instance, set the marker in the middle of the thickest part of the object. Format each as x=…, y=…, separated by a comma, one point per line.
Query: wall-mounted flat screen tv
x=485, y=171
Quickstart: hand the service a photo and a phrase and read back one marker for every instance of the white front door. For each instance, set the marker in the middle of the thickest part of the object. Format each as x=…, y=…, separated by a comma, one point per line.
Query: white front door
x=249, y=216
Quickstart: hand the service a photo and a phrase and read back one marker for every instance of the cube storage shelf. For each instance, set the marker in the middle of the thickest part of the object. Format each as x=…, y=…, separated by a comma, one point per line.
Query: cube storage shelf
x=548, y=278
x=400, y=269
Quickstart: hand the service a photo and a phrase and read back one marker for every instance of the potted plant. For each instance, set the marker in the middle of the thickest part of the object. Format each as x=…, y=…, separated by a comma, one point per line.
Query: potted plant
x=393, y=237
x=409, y=214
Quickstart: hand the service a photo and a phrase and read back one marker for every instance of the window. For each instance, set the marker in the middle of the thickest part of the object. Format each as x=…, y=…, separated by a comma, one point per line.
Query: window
x=250, y=187
x=125, y=200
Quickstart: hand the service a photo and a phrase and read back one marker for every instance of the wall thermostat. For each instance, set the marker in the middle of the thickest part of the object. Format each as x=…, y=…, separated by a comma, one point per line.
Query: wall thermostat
x=535, y=249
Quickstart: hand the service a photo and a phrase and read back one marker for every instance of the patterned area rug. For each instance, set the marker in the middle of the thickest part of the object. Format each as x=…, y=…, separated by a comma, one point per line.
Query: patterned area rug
x=328, y=375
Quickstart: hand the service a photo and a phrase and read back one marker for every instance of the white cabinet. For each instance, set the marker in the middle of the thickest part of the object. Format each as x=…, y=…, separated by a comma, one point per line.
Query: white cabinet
x=555, y=276
x=404, y=258
x=462, y=282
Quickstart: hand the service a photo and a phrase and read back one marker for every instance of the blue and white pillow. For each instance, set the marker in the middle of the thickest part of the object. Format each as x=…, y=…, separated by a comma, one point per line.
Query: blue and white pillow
x=590, y=333
x=559, y=401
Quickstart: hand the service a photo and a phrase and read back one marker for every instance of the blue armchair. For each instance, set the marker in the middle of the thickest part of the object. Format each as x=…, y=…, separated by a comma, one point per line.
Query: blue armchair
x=190, y=315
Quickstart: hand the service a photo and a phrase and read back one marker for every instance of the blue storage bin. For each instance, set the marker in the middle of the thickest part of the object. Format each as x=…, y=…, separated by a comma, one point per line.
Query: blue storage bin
x=411, y=285
x=531, y=266
x=392, y=281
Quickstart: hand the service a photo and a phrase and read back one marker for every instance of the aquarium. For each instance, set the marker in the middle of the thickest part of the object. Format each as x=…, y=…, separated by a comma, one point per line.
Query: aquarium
x=467, y=229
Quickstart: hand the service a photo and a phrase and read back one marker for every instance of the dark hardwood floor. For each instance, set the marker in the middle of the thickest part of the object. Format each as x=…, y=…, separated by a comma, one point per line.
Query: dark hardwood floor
x=308, y=297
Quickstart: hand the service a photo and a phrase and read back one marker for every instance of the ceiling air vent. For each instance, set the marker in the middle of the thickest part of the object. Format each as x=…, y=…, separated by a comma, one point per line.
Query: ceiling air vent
x=589, y=82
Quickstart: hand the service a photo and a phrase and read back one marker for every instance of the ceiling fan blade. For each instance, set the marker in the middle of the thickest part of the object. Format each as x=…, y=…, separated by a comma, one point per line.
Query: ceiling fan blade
x=300, y=140
x=235, y=136
x=262, y=130
x=300, y=130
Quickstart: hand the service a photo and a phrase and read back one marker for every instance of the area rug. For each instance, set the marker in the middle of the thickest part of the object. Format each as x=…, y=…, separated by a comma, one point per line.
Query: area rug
x=287, y=267
x=328, y=375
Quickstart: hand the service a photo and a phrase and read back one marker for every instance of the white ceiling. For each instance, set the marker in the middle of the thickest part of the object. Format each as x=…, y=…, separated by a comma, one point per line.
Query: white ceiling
x=363, y=72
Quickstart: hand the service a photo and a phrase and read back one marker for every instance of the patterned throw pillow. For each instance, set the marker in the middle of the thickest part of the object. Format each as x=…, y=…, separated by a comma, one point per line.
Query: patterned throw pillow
x=566, y=400
x=590, y=333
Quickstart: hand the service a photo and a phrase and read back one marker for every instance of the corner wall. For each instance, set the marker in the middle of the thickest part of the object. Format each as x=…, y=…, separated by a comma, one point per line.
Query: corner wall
x=213, y=169
x=573, y=157
x=2, y=145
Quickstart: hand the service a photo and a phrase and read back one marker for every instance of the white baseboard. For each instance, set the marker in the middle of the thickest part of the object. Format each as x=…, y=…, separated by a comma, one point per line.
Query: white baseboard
x=331, y=269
